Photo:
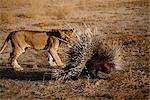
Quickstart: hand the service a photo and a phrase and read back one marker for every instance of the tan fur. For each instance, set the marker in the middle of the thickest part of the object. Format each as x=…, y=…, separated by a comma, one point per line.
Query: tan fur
x=48, y=40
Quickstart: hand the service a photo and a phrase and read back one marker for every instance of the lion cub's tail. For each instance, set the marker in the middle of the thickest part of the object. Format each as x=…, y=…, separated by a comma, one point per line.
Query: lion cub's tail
x=6, y=42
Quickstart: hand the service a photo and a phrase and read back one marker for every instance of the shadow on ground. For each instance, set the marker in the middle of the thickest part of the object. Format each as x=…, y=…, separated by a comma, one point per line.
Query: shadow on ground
x=32, y=75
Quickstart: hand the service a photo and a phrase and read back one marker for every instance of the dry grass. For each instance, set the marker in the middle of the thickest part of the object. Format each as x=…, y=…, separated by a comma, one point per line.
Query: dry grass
x=7, y=17
x=120, y=86
x=62, y=10
x=58, y=9
x=117, y=18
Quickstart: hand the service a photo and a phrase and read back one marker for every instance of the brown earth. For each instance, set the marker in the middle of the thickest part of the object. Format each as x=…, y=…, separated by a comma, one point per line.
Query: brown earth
x=104, y=15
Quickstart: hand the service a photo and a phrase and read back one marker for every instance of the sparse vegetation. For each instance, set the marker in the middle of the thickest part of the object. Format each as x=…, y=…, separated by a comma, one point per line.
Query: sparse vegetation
x=122, y=39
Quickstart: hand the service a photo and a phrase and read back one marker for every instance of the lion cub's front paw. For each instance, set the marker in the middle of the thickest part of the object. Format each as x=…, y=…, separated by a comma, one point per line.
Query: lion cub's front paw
x=53, y=64
x=18, y=68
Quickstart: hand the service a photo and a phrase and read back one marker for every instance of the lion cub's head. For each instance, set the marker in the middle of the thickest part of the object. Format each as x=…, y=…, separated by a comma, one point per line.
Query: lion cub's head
x=67, y=35
x=64, y=35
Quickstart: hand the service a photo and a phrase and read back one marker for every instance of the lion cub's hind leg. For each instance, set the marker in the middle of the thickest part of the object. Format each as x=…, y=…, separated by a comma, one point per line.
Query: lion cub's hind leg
x=14, y=56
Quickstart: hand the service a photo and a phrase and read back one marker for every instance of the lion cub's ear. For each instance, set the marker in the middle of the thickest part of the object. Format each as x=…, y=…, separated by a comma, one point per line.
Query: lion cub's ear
x=55, y=32
x=60, y=32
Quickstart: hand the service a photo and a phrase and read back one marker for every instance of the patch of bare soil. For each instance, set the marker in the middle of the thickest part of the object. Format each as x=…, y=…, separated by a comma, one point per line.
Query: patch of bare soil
x=132, y=85
x=105, y=15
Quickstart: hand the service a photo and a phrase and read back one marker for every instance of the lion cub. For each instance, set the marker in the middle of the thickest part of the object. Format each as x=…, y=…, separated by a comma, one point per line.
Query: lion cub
x=45, y=40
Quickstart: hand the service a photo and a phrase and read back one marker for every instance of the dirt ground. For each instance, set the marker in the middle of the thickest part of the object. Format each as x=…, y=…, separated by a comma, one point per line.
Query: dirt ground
x=104, y=15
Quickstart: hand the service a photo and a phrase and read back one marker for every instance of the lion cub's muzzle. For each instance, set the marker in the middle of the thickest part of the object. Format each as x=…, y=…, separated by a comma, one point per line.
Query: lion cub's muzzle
x=69, y=43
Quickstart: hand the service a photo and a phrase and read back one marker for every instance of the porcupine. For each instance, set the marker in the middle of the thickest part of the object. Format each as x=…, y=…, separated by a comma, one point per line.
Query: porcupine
x=118, y=51
x=80, y=52
x=84, y=50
